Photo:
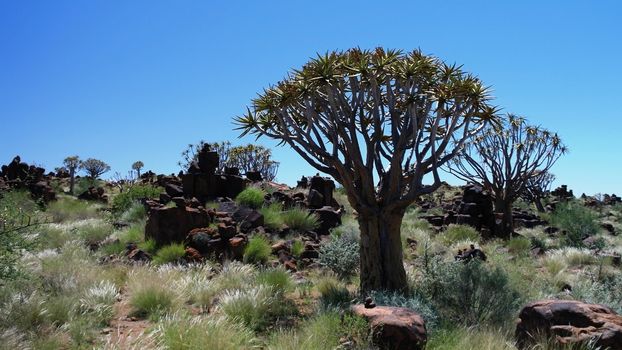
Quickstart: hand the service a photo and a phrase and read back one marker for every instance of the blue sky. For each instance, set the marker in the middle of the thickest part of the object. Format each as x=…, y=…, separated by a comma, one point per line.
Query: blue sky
x=138, y=80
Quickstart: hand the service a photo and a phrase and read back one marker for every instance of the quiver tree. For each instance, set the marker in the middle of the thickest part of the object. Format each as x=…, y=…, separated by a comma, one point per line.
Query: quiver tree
x=94, y=167
x=537, y=188
x=72, y=164
x=254, y=158
x=136, y=166
x=377, y=122
x=503, y=160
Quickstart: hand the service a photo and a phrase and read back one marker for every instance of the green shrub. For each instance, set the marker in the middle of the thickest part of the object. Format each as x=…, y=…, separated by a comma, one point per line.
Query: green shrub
x=340, y=255
x=471, y=338
x=519, y=245
x=16, y=210
x=254, y=307
x=169, y=254
x=135, y=213
x=151, y=301
x=299, y=219
x=324, y=331
x=149, y=246
x=134, y=234
x=578, y=221
x=279, y=279
x=257, y=250
x=71, y=209
x=124, y=201
x=456, y=233
x=297, y=248
x=332, y=292
x=272, y=216
x=198, y=333
x=469, y=294
x=607, y=292
x=94, y=233
x=252, y=197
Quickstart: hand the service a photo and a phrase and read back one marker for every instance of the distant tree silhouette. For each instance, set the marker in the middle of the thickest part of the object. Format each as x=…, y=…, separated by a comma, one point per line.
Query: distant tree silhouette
x=72, y=163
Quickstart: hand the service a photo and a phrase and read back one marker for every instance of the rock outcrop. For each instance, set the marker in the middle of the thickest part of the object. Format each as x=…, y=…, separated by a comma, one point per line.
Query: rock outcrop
x=394, y=328
x=569, y=321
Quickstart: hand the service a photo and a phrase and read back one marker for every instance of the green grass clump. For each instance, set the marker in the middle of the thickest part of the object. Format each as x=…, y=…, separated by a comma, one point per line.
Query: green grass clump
x=277, y=278
x=124, y=201
x=71, y=209
x=332, y=291
x=578, y=221
x=460, y=338
x=299, y=219
x=257, y=250
x=149, y=246
x=135, y=213
x=94, y=233
x=151, y=301
x=297, y=248
x=197, y=333
x=519, y=245
x=272, y=216
x=324, y=331
x=456, y=233
x=134, y=234
x=254, y=307
x=169, y=254
x=252, y=197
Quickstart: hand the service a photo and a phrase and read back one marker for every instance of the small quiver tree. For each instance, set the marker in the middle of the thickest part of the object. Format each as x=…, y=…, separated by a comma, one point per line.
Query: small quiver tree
x=72, y=163
x=504, y=159
x=377, y=122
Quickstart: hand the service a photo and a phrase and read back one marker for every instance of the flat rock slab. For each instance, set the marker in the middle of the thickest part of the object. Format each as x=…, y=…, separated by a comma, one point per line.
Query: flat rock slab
x=569, y=321
x=394, y=327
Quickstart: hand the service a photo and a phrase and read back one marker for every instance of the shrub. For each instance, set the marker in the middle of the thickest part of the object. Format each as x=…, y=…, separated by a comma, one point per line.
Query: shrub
x=608, y=292
x=135, y=213
x=279, y=279
x=151, y=300
x=471, y=293
x=297, y=248
x=519, y=245
x=299, y=219
x=169, y=254
x=456, y=233
x=257, y=250
x=123, y=201
x=94, y=233
x=16, y=208
x=332, y=291
x=578, y=221
x=253, y=307
x=134, y=234
x=252, y=197
x=340, y=255
x=324, y=331
x=272, y=216
x=183, y=333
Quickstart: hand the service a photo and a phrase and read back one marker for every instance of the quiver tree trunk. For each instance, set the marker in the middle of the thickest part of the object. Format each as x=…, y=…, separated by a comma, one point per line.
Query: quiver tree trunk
x=72, y=180
x=381, y=263
x=504, y=224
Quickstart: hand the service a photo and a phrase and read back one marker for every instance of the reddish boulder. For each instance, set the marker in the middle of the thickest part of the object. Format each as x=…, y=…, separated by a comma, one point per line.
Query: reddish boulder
x=569, y=321
x=395, y=328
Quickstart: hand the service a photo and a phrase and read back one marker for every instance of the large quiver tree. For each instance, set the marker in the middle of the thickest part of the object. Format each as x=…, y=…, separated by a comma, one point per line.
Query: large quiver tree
x=377, y=122
x=505, y=160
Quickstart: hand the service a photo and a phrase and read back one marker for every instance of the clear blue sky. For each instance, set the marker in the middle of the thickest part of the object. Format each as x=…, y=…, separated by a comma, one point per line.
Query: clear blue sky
x=138, y=80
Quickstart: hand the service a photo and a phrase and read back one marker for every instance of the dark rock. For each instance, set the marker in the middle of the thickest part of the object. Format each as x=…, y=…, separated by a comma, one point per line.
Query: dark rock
x=174, y=190
x=569, y=322
x=329, y=218
x=248, y=218
x=171, y=225
x=232, y=171
x=315, y=199
x=254, y=176
x=303, y=182
x=323, y=186
x=94, y=194
x=609, y=228
x=164, y=198
x=394, y=328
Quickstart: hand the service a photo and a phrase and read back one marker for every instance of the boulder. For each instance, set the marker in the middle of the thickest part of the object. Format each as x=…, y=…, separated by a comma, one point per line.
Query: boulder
x=174, y=190
x=569, y=321
x=394, y=328
x=94, y=194
x=324, y=187
x=171, y=225
x=248, y=218
x=329, y=218
x=254, y=176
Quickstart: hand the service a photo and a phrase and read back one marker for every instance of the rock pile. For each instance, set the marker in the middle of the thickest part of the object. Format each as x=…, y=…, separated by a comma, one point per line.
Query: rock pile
x=18, y=174
x=94, y=194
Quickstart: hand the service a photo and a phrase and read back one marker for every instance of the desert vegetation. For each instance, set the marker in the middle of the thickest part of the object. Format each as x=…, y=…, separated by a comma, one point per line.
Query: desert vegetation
x=220, y=256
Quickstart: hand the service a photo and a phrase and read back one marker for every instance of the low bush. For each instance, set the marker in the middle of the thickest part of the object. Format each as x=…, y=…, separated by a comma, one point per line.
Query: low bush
x=519, y=245
x=252, y=197
x=456, y=233
x=71, y=209
x=340, y=255
x=16, y=210
x=279, y=279
x=332, y=292
x=299, y=219
x=578, y=221
x=197, y=333
x=94, y=232
x=272, y=216
x=124, y=201
x=469, y=294
x=169, y=254
x=135, y=213
x=151, y=301
x=257, y=250
x=253, y=307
